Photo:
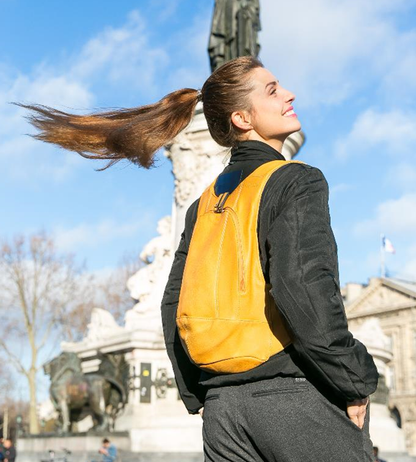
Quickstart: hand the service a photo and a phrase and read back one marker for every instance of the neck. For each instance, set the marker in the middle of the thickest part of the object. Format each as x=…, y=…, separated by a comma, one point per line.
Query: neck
x=274, y=143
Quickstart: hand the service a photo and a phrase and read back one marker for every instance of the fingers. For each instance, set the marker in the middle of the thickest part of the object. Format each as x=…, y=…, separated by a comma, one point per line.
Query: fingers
x=356, y=411
x=362, y=418
x=355, y=420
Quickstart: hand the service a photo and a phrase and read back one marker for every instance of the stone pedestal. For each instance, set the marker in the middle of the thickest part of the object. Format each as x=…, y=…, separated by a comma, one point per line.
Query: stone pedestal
x=154, y=418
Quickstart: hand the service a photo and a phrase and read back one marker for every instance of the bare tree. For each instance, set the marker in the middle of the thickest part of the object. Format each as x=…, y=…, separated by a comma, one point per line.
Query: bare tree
x=5, y=384
x=12, y=411
x=46, y=297
x=39, y=290
x=10, y=406
x=113, y=292
x=5, y=387
x=108, y=291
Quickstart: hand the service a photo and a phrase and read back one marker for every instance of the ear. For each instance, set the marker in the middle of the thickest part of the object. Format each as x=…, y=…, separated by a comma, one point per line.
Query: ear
x=242, y=120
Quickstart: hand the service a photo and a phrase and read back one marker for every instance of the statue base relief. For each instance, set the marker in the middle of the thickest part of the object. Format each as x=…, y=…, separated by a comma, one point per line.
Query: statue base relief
x=154, y=418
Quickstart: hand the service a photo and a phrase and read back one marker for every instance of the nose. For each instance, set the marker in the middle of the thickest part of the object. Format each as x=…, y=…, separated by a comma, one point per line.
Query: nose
x=290, y=97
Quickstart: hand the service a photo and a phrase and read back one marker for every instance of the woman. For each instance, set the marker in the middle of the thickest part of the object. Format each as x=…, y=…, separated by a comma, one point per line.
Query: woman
x=309, y=402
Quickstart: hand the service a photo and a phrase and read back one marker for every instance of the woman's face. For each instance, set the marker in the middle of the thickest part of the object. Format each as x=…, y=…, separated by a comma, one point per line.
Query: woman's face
x=272, y=118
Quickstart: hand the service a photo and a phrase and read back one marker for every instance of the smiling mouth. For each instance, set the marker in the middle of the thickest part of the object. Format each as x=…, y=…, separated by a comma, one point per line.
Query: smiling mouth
x=290, y=113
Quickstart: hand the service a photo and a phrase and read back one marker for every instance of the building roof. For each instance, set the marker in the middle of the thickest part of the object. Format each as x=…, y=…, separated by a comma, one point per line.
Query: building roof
x=372, y=300
x=408, y=287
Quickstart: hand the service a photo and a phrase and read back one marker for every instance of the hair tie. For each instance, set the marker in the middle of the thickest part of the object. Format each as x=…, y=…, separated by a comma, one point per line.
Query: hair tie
x=199, y=95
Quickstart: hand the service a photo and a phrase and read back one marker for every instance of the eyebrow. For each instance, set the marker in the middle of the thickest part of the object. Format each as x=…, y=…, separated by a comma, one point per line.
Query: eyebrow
x=271, y=83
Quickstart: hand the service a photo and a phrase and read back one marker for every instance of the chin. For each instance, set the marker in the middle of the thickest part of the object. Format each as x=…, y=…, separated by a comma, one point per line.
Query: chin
x=298, y=125
x=290, y=132
x=296, y=128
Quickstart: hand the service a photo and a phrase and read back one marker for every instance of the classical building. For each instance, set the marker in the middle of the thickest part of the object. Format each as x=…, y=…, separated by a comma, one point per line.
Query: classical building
x=393, y=303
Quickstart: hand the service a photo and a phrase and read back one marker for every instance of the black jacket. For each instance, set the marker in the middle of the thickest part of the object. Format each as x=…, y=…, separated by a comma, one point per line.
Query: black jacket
x=299, y=258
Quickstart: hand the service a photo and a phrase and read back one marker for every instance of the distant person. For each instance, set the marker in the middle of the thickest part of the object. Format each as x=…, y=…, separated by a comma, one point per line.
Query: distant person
x=9, y=452
x=375, y=448
x=108, y=450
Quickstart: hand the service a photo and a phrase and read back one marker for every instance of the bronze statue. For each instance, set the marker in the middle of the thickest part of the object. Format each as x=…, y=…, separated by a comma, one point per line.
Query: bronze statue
x=75, y=395
x=234, y=31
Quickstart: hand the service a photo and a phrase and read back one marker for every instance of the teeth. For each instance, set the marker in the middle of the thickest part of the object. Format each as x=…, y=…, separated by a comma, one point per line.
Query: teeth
x=288, y=113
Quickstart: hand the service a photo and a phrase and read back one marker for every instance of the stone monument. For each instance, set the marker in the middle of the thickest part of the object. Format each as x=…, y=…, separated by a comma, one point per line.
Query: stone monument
x=147, y=285
x=234, y=31
x=75, y=394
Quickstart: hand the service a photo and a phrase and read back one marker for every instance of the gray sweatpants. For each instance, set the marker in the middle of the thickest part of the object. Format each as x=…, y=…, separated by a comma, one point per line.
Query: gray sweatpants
x=284, y=419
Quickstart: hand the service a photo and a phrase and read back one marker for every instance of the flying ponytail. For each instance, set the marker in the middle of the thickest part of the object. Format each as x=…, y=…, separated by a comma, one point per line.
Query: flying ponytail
x=134, y=134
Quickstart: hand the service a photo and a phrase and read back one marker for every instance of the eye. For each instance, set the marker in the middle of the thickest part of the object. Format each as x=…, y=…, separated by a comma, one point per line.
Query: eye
x=273, y=92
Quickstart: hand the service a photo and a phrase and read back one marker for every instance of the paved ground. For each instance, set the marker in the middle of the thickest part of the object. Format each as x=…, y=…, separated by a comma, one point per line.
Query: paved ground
x=156, y=457
x=124, y=457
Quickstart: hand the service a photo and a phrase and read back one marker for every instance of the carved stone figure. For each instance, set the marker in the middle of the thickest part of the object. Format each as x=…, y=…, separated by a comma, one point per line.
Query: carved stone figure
x=102, y=325
x=146, y=286
x=75, y=394
x=234, y=31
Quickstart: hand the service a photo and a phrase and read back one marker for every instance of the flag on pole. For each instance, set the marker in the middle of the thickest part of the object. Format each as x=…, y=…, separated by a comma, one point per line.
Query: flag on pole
x=388, y=246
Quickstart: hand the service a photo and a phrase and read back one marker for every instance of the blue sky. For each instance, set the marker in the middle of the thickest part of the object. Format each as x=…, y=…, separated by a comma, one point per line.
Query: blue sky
x=351, y=65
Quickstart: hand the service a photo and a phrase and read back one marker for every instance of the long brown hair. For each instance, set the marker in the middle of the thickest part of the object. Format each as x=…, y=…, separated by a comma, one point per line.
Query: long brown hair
x=137, y=133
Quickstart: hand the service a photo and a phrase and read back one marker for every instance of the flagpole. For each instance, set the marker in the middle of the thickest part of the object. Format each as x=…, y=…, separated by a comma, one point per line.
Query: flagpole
x=383, y=257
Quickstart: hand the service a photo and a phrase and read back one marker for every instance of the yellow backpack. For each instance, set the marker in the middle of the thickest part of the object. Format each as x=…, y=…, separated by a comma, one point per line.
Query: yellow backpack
x=227, y=320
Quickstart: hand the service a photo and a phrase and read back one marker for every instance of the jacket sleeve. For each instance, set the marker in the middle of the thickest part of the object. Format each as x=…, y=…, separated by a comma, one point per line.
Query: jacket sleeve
x=186, y=373
x=303, y=269
x=112, y=453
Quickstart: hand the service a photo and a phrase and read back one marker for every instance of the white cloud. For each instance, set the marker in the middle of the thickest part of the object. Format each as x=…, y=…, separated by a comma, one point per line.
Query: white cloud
x=21, y=157
x=402, y=175
x=340, y=187
x=194, y=69
x=397, y=81
x=165, y=9
x=326, y=51
x=125, y=54
x=394, y=216
x=408, y=270
x=93, y=235
x=51, y=89
x=394, y=132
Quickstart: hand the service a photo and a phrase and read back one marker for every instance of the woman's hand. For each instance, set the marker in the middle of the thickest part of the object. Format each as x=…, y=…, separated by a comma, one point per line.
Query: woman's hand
x=356, y=411
x=201, y=411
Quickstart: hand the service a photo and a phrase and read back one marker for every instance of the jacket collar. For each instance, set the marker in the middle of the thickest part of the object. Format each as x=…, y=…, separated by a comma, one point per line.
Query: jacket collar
x=254, y=150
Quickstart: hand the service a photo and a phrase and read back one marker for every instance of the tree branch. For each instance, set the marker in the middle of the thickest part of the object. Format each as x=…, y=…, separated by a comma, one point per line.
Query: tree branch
x=14, y=359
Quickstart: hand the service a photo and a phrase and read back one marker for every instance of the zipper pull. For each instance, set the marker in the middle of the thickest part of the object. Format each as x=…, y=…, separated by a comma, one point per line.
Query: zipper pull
x=219, y=206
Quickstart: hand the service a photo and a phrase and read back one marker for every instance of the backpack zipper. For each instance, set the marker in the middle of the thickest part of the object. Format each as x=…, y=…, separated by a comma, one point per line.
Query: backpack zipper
x=234, y=217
